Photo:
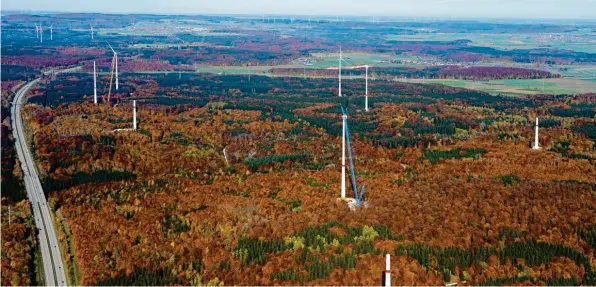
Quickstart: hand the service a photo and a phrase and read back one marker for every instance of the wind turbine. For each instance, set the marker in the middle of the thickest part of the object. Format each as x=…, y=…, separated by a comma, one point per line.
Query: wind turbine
x=115, y=59
x=114, y=67
x=94, y=84
x=51, y=32
x=341, y=59
x=387, y=270
x=40, y=33
x=36, y=31
x=366, y=90
x=134, y=114
x=536, y=146
x=343, y=154
x=226, y=157
x=339, y=74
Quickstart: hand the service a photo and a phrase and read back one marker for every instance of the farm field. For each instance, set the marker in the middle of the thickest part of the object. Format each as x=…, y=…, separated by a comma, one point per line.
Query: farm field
x=580, y=41
x=522, y=87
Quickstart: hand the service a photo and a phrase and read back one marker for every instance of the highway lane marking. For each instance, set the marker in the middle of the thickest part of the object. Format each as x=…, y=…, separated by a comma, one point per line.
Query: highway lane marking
x=49, y=244
x=35, y=191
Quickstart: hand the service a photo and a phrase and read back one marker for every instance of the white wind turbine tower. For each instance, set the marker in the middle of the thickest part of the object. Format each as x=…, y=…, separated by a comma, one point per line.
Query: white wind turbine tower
x=339, y=74
x=116, y=60
x=366, y=90
x=51, y=32
x=94, y=84
x=341, y=59
x=226, y=157
x=536, y=146
x=343, y=156
x=387, y=270
x=36, y=31
x=40, y=34
x=134, y=114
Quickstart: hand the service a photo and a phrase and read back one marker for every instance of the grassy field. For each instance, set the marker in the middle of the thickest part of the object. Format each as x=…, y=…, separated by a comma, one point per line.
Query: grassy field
x=581, y=71
x=326, y=60
x=577, y=41
x=452, y=83
x=254, y=70
x=522, y=87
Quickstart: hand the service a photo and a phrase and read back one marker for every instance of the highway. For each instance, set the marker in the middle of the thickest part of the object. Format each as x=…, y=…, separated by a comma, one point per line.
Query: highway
x=48, y=241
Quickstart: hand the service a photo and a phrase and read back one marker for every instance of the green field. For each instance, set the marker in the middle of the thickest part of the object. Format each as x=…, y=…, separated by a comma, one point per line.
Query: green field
x=577, y=41
x=254, y=70
x=326, y=60
x=580, y=71
x=452, y=83
x=522, y=87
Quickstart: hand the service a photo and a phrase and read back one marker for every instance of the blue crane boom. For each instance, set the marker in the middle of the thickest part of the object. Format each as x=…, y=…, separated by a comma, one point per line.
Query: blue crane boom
x=357, y=195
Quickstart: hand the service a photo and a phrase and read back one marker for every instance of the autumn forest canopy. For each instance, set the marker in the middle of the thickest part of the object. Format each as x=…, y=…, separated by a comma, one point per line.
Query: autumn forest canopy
x=234, y=178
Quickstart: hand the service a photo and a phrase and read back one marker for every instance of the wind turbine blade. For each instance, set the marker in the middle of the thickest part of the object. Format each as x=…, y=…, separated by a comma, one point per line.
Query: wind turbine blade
x=111, y=47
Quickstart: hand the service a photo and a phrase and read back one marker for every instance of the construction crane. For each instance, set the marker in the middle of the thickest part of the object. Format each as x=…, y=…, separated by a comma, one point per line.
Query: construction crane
x=357, y=195
x=111, y=80
x=114, y=69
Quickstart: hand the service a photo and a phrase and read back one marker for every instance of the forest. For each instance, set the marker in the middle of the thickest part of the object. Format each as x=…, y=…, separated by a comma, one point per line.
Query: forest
x=453, y=189
x=234, y=179
x=12, y=185
x=20, y=254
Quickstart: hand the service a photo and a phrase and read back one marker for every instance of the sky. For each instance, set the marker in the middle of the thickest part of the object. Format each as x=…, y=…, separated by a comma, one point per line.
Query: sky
x=520, y=9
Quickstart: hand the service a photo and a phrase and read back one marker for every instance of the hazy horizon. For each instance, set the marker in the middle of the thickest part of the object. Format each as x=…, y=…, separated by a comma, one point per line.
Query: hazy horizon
x=494, y=9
